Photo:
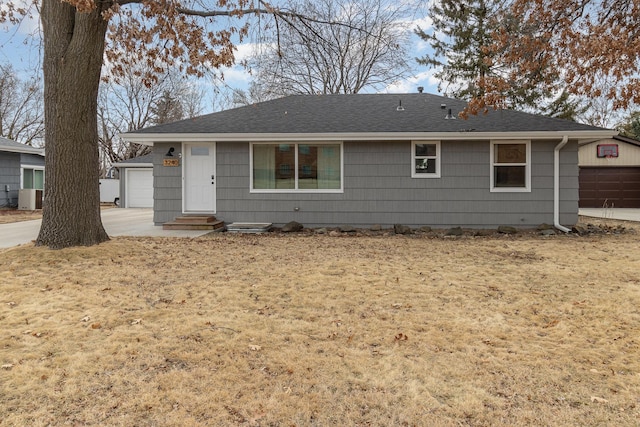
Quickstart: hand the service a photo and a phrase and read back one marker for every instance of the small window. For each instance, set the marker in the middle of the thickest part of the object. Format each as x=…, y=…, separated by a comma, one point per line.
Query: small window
x=425, y=159
x=33, y=178
x=510, y=166
x=199, y=151
x=607, y=150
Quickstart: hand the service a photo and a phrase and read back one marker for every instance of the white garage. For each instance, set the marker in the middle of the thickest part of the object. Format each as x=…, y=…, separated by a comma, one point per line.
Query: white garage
x=136, y=182
x=139, y=191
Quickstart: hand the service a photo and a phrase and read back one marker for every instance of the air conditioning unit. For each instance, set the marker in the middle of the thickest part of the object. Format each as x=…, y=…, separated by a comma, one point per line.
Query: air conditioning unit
x=29, y=199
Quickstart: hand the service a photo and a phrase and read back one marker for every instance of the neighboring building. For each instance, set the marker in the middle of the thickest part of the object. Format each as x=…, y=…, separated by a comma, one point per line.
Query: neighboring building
x=331, y=160
x=21, y=167
x=136, y=182
x=610, y=173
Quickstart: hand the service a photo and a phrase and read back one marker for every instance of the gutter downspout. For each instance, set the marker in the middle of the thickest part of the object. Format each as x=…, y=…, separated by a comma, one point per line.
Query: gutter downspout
x=556, y=185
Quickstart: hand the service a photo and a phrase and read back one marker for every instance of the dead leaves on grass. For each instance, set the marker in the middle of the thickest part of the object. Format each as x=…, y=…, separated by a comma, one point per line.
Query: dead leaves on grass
x=401, y=337
x=551, y=324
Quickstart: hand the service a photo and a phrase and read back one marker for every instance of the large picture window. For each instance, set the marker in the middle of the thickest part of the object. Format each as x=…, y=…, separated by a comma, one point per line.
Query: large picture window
x=425, y=159
x=296, y=167
x=511, y=166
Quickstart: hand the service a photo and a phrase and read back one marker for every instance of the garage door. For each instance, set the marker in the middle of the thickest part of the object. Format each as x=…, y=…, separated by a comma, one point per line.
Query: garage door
x=139, y=188
x=610, y=187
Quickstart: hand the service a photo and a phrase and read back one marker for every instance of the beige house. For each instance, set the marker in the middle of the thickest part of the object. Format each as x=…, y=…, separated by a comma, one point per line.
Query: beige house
x=610, y=173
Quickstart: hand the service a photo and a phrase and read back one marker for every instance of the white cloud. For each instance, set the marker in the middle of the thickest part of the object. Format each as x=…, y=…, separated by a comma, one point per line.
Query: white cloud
x=410, y=85
x=424, y=23
x=236, y=76
x=245, y=51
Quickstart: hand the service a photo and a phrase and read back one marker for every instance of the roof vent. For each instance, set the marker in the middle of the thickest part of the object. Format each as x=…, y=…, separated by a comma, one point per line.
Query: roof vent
x=443, y=106
x=420, y=89
x=400, y=107
x=449, y=116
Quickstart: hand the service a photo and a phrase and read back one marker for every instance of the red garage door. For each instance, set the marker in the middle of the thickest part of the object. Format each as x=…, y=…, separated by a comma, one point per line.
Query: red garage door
x=611, y=187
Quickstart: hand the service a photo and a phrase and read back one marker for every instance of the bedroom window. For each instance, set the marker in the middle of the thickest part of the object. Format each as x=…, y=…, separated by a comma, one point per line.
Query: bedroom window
x=425, y=159
x=296, y=167
x=511, y=166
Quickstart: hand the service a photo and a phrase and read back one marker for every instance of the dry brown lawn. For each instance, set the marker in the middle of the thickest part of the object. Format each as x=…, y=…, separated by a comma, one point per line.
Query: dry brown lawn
x=14, y=215
x=315, y=330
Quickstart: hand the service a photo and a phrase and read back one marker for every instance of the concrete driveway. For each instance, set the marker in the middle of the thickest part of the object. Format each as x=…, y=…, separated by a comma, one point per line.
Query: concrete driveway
x=612, y=213
x=117, y=222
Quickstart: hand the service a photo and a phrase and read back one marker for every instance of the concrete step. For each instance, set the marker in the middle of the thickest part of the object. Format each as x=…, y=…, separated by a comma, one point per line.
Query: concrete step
x=248, y=227
x=195, y=219
x=203, y=225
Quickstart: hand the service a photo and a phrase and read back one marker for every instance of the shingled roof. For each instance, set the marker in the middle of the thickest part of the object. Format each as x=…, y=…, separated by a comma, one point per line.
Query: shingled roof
x=146, y=160
x=360, y=113
x=16, y=147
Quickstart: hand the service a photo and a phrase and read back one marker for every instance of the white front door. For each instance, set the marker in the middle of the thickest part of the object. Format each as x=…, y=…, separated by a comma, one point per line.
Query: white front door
x=199, y=172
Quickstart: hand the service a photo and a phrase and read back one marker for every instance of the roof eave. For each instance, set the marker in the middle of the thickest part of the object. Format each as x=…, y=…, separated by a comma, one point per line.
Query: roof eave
x=132, y=165
x=151, y=138
x=36, y=151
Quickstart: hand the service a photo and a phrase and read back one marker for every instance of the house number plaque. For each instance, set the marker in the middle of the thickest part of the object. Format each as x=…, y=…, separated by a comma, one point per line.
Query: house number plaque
x=171, y=162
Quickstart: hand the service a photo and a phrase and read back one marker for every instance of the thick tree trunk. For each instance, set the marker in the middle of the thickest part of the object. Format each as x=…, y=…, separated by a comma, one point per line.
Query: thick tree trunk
x=73, y=52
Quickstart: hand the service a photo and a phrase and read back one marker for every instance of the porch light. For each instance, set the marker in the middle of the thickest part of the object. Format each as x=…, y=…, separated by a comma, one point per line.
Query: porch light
x=170, y=152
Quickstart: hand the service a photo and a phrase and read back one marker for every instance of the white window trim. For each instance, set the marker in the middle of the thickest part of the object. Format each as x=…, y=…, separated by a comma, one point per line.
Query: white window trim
x=527, y=171
x=413, y=160
x=296, y=190
x=34, y=167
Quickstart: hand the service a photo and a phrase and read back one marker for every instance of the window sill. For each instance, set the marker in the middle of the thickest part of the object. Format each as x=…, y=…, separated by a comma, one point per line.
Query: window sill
x=510, y=190
x=293, y=191
x=427, y=176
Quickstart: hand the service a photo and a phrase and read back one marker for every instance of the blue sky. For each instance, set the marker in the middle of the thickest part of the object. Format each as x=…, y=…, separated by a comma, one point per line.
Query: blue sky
x=20, y=48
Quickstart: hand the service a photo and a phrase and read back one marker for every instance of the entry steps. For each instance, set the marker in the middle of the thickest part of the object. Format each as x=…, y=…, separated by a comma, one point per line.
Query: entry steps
x=194, y=222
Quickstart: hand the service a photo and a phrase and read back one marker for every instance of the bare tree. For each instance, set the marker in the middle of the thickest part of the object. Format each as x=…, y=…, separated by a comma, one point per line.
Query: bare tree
x=21, y=108
x=600, y=109
x=368, y=51
x=127, y=103
x=77, y=36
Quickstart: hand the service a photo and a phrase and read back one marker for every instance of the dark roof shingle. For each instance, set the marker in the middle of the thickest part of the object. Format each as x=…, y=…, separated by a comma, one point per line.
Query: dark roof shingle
x=361, y=113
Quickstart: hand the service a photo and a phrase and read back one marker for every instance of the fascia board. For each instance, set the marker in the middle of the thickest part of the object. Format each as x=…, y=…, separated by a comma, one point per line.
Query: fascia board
x=151, y=138
x=36, y=151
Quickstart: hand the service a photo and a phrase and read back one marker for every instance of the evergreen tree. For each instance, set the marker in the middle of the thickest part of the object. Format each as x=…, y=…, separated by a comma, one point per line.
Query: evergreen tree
x=631, y=126
x=167, y=109
x=564, y=107
x=461, y=32
x=465, y=58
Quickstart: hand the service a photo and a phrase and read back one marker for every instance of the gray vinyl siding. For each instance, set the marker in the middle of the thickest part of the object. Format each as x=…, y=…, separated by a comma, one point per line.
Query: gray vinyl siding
x=378, y=189
x=10, y=170
x=9, y=175
x=31, y=160
x=167, y=185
